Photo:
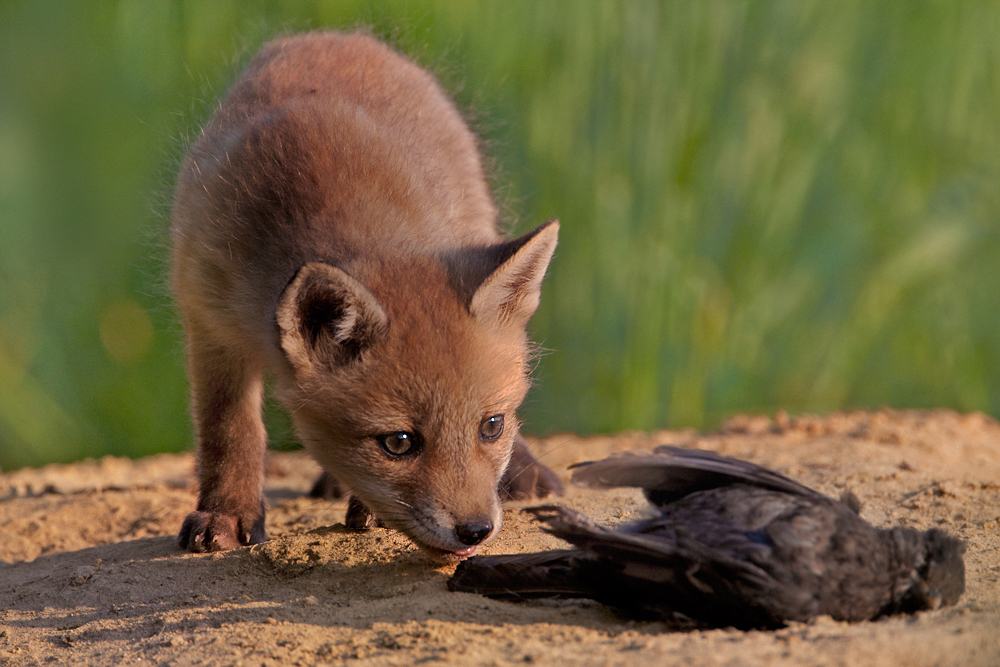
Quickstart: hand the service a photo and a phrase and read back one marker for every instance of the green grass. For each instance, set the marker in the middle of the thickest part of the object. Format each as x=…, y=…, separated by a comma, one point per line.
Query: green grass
x=764, y=205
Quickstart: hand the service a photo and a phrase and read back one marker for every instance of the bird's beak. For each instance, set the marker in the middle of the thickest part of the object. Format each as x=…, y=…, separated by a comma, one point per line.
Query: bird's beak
x=930, y=597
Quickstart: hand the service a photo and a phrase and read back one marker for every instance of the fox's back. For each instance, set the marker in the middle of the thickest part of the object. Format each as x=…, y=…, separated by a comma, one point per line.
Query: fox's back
x=330, y=147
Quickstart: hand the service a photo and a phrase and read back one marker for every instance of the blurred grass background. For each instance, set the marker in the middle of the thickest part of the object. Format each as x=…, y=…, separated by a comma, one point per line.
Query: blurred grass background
x=765, y=204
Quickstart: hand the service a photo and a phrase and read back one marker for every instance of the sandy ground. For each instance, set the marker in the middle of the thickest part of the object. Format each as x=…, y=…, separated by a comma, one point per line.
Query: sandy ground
x=90, y=572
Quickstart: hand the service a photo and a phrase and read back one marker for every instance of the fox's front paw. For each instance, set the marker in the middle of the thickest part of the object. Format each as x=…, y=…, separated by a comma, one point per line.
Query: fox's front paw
x=526, y=477
x=214, y=531
x=359, y=517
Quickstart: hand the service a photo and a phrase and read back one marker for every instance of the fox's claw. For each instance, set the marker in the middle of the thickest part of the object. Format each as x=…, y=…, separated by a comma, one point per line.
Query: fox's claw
x=359, y=517
x=214, y=531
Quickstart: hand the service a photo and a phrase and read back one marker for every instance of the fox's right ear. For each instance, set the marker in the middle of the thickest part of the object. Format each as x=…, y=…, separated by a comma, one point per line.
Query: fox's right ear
x=326, y=318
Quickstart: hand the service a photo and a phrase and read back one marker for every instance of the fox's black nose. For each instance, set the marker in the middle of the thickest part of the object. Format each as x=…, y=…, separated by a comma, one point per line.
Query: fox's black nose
x=473, y=533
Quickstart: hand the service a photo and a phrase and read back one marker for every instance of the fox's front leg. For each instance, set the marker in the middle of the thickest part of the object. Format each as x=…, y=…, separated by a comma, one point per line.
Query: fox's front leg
x=226, y=392
x=526, y=477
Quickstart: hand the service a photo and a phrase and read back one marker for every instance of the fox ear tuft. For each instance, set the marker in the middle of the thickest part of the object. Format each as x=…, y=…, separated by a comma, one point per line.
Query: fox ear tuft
x=510, y=294
x=326, y=318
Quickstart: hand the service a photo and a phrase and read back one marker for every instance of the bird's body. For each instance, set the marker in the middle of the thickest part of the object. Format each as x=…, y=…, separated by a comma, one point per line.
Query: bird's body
x=732, y=544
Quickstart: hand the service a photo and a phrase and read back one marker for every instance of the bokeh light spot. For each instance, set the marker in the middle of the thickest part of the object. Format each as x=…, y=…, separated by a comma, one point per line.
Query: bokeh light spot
x=126, y=331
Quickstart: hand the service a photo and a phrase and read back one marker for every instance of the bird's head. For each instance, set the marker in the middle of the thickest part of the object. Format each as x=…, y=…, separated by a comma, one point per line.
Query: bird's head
x=940, y=573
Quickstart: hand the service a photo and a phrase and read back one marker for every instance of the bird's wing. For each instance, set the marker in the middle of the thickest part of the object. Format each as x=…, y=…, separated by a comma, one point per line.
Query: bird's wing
x=669, y=473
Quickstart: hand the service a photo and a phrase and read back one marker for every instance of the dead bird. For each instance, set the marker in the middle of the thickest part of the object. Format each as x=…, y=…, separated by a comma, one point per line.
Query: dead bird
x=732, y=544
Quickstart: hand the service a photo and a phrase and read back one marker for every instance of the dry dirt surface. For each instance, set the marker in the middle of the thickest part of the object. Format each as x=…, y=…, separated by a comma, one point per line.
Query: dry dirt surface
x=90, y=572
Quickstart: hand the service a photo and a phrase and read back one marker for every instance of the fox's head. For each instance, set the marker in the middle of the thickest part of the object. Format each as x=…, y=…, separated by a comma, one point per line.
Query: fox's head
x=405, y=375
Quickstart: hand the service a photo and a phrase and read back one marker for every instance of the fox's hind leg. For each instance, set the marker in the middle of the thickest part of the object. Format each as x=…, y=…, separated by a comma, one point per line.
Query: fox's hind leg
x=328, y=488
x=526, y=477
x=358, y=517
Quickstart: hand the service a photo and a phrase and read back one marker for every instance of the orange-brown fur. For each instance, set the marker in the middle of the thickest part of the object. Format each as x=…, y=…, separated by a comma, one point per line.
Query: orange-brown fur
x=333, y=226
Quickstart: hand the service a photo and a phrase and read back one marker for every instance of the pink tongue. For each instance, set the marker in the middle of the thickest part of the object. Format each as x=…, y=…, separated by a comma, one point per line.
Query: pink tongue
x=466, y=552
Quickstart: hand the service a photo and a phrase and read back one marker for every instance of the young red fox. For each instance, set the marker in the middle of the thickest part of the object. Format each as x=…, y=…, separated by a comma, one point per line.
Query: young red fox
x=333, y=226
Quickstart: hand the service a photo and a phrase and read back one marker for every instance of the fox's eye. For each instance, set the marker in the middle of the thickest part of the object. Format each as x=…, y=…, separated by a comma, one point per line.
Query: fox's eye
x=491, y=428
x=399, y=443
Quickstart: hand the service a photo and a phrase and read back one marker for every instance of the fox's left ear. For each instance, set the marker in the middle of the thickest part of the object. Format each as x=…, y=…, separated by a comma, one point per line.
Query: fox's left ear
x=509, y=295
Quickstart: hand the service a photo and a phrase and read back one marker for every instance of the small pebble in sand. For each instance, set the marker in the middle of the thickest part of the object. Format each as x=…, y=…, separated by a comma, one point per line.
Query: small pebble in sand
x=82, y=574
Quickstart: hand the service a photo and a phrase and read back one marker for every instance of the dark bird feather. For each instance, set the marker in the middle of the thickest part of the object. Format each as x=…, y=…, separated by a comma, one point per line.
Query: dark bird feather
x=732, y=544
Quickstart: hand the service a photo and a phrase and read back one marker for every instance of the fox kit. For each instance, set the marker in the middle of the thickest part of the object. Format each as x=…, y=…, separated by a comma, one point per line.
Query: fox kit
x=332, y=227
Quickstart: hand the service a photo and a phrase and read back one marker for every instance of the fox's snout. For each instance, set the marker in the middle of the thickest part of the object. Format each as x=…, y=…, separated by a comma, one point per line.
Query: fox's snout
x=474, y=532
